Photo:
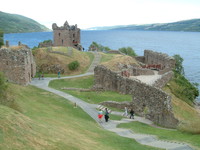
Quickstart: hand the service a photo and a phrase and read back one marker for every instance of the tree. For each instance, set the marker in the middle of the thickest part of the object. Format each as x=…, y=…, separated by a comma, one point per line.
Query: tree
x=1, y=38
x=128, y=51
x=178, y=65
x=98, y=47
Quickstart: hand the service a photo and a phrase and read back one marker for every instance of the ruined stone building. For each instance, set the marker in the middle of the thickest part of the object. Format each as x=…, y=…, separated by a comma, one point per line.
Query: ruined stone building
x=152, y=57
x=150, y=99
x=17, y=65
x=66, y=35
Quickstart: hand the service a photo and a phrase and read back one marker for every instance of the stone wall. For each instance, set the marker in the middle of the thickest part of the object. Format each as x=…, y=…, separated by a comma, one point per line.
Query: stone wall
x=152, y=57
x=135, y=71
x=18, y=65
x=66, y=35
x=146, y=98
x=140, y=59
x=165, y=78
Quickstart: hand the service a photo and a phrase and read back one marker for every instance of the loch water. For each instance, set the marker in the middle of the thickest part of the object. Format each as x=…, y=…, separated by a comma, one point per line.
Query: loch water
x=186, y=44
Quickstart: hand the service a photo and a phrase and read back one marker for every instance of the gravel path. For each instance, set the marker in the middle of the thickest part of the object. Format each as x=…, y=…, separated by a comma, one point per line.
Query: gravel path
x=91, y=109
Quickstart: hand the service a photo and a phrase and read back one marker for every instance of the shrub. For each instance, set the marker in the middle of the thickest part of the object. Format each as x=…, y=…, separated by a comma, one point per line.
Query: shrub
x=73, y=65
x=128, y=51
x=98, y=47
x=183, y=89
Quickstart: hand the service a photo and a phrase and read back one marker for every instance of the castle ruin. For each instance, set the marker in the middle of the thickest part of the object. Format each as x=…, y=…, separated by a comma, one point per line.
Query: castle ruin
x=66, y=35
x=17, y=65
x=148, y=99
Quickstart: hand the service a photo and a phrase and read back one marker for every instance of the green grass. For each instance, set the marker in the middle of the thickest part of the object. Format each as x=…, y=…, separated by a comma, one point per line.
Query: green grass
x=90, y=97
x=115, y=117
x=164, y=134
x=47, y=121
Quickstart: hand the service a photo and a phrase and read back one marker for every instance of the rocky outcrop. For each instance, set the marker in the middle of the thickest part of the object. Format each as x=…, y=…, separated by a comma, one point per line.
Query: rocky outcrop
x=155, y=103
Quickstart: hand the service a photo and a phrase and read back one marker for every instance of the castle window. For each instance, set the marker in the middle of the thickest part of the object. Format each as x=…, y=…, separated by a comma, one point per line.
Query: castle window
x=73, y=35
x=62, y=42
x=59, y=34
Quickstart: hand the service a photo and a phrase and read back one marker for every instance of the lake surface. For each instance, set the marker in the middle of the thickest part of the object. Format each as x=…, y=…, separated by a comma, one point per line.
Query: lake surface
x=186, y=44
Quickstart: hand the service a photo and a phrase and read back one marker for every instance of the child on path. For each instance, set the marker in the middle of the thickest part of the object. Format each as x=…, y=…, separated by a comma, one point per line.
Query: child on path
x=100, y=115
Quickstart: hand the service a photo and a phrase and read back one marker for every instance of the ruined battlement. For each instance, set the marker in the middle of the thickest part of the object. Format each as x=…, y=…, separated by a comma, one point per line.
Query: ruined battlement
x=66, y=35
x=152, y=57
x=144, y=97
x=17, y=65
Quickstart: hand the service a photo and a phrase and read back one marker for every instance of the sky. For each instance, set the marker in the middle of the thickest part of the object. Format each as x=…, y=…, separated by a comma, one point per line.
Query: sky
x=95, y=13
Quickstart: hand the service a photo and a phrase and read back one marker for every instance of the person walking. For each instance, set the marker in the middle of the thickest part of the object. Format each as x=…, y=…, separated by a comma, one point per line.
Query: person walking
x=106, y=115
x=125, y=112
x=39, y=75
x=100, y=115
x=42, y=76
x=58, y=74
x=132, y=114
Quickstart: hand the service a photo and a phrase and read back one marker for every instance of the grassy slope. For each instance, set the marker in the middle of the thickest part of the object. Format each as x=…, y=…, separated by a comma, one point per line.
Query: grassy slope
x=46, y=59
x=90, y=97
x=164, y=134
x=47, y=121
x=112, y=61
x=12, y=23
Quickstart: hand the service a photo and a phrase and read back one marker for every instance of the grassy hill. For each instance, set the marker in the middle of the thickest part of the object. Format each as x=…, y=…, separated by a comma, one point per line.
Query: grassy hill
x=186, y=25
x=47, y=121
x=59, y=58
x=13, y=23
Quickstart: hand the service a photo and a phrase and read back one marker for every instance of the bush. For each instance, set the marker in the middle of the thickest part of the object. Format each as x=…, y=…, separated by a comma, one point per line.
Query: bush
x=128, y=51
x=183, y=89
x=98, y=47
x=73, y=65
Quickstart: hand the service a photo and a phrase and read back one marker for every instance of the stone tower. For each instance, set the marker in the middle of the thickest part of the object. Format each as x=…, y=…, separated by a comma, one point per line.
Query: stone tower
x=66, y=35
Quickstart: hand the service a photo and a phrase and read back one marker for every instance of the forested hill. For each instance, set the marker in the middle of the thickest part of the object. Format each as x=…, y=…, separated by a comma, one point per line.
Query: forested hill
x=13, y=23
x=187, y=25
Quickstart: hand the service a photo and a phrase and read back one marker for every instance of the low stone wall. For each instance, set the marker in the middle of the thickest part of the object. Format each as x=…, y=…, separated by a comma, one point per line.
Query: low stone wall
x=140, y=59
x=165, y=78
x=135, y=71
x=155, y=102
x=119, y=105
x=115, y=52
x=164, y=71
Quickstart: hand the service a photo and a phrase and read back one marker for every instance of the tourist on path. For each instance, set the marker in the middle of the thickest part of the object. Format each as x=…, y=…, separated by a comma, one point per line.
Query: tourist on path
x=58, y=74
x=39, y=75
x=132, y=114
x=106, y=115
x=100, y=115
x=42, y=76
x=125, y=112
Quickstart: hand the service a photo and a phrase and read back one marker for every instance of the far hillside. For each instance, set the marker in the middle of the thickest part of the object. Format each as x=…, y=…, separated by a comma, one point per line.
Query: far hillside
x=14, y=23
x=192, y=25
x=57, y=59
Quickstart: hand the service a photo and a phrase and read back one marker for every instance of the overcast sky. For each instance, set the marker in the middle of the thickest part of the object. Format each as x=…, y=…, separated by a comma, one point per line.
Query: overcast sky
x=91, y=13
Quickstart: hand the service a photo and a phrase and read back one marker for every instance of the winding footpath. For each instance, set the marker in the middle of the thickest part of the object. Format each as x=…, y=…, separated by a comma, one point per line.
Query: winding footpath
x=91, y=109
